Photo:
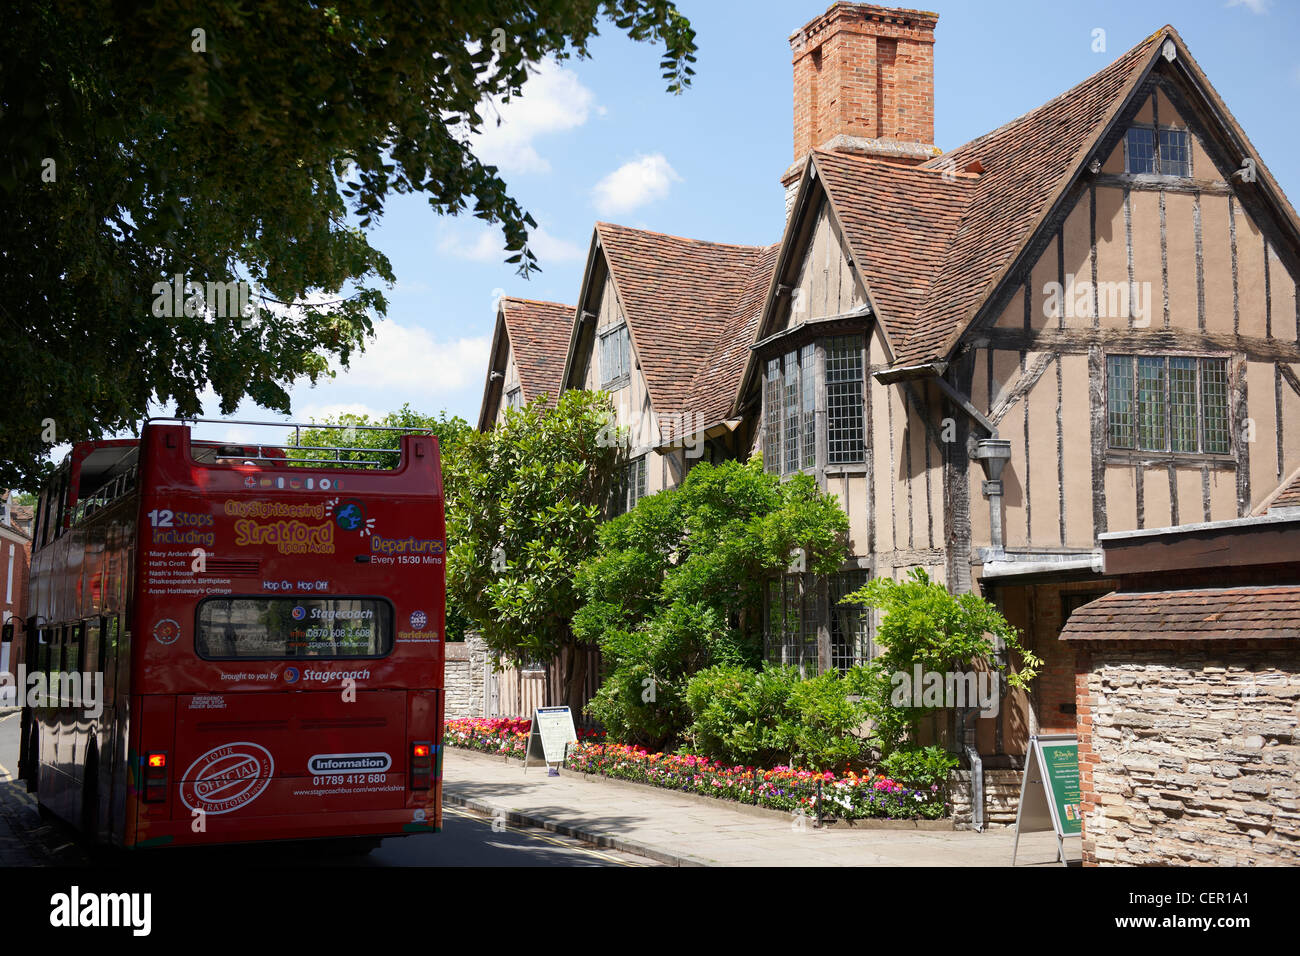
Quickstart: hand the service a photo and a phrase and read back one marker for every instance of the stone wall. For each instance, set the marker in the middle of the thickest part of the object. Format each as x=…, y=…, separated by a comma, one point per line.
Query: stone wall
x=465, y=670
x=1188, y=752
x=1001, y=797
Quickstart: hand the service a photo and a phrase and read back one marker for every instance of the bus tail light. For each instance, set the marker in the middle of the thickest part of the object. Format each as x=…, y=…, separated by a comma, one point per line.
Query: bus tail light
x=155, y=776
x=421, y=765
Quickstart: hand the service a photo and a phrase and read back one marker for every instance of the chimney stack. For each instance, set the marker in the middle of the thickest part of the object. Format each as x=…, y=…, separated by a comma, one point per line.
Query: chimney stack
x=864, y=83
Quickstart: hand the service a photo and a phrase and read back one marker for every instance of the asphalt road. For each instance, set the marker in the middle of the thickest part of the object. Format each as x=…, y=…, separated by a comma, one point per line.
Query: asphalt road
x=467, y=839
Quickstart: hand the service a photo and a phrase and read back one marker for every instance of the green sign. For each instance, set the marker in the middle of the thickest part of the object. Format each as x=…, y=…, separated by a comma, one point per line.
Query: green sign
x=1049, y=792
x=1061, y=768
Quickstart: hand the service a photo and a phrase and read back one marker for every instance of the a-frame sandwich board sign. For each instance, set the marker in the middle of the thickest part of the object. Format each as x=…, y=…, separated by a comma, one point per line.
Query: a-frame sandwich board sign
x=1049, y=791
x=549, y=738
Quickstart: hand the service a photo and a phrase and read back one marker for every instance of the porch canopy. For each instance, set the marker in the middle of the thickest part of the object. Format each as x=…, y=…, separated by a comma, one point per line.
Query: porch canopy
x=1229, y=613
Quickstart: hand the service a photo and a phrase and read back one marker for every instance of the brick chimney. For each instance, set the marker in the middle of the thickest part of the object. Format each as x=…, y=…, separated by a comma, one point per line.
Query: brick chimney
x=864, y=83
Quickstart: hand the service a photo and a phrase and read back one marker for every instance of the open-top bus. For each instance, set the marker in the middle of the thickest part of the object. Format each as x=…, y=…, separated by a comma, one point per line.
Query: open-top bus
x=265, y=633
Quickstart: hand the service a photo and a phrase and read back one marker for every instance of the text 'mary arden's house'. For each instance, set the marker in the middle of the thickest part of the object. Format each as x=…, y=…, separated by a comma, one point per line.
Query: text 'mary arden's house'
x=1083, y=322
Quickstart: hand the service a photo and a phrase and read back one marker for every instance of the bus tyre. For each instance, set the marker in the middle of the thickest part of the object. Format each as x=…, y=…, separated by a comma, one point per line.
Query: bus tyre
x=32, y=765
x=90, y=799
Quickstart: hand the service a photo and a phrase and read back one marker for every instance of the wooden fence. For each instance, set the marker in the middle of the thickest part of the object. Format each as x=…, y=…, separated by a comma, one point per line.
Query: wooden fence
x=516, y=692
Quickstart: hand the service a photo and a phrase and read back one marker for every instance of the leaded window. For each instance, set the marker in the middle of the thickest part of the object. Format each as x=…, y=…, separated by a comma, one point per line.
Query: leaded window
x=850, y=624
x=1173, y=158
x=807, y=361
x=793, y=621
x=791, y=388
x=1176, y=404
x=845, y=433
x=797, y=607
x=771, y=417
x=630, y=488
x=791, y=404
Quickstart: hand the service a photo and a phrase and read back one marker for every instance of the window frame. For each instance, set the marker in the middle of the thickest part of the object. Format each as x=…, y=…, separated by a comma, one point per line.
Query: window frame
x=1157, y=158
x=785, y=406
x=816, y=607
x=631, y=486
x=624, y=333
x=1135, y=452
x=391, y=636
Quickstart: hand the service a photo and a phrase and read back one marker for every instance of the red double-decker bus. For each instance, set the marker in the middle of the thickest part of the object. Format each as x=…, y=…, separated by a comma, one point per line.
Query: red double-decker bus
x=266, y=633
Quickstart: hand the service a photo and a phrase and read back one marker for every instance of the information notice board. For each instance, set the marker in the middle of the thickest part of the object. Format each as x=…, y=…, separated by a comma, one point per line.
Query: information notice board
x=1049, y=793
x=550, y=736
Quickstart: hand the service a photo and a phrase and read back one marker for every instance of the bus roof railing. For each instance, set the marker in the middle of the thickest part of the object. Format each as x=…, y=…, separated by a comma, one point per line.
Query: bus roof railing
x=424, y=429
x=297, y=440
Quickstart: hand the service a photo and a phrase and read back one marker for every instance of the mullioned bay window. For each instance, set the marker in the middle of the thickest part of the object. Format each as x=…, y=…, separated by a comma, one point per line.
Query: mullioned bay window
x=811, y=392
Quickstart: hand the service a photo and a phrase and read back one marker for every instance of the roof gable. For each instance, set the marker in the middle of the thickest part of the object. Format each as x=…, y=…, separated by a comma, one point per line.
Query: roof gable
x=538, y=334
x=716, y=384
x=683, y=299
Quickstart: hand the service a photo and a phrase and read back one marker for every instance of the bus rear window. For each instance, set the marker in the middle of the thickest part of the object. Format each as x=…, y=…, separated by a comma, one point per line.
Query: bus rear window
x=237, y=628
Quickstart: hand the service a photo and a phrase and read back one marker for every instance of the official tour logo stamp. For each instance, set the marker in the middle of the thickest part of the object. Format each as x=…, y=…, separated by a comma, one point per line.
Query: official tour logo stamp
x=227, y=778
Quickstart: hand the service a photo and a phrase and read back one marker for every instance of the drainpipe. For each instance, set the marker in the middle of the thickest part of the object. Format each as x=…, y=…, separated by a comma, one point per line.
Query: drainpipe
x=976, y=772
x=993, y=454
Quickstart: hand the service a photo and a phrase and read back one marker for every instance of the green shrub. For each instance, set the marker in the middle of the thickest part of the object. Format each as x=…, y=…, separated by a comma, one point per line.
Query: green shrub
x=772, y=716
x=742, y=716
x=919, y=767
x=675, y=586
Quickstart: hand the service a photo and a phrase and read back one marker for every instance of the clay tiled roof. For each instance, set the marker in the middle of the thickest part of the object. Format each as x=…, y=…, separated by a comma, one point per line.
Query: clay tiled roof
x=899, y=222
x=718, y=379
x=680, y=297
x=1286, y=496
x=932, y=252
x=539, y=336
x=1208, y=614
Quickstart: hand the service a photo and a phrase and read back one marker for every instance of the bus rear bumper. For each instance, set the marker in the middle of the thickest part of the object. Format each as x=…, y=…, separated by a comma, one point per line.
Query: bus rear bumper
x=282, y=827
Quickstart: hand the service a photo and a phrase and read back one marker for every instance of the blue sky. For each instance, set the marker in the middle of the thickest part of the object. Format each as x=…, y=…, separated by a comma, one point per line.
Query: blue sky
x=600, y=139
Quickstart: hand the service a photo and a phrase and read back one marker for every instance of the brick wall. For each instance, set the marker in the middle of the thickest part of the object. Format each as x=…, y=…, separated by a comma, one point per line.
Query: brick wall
x=1188, y=752
x=864, y=70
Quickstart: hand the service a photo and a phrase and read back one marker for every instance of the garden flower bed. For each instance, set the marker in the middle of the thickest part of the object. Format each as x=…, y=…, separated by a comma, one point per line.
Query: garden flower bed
x=846, y=796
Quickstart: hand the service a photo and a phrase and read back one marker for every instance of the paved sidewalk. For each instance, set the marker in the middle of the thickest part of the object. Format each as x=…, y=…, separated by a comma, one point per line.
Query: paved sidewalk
x=686, y=830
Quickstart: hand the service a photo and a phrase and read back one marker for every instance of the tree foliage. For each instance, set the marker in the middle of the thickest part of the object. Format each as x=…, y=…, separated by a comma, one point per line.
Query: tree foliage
x=925, y=624
x=677, y=586
x=526, y=503
x=356, y=433
x=223, y=141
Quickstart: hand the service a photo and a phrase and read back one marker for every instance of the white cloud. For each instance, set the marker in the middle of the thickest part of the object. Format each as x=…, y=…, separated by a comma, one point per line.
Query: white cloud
x=1254, y=6
x=320, y=412
x=549, y=248
x=553, y=100
x=409, y=360
x=488, y=245
x=485, y=247
x=634, y=184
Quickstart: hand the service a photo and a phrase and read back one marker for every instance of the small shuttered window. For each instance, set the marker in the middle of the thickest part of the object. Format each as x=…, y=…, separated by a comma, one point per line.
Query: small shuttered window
x=615, y=357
